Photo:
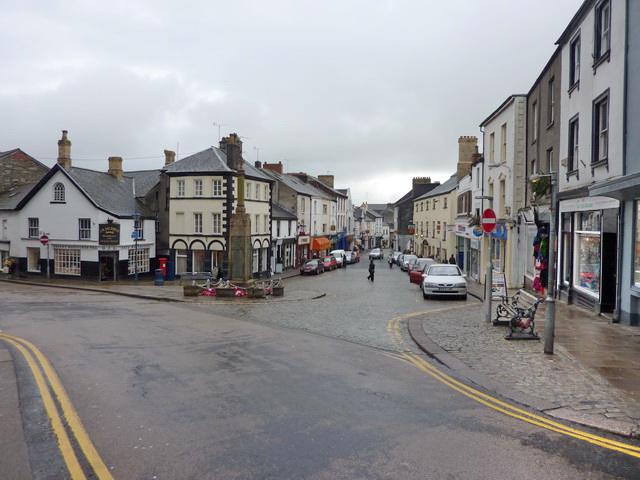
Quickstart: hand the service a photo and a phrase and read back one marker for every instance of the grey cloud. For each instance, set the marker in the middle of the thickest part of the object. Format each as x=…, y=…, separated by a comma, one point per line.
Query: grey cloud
x=374, y=92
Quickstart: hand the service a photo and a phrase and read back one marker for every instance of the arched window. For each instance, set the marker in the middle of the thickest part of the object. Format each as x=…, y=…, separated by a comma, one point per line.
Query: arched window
x=58, y=192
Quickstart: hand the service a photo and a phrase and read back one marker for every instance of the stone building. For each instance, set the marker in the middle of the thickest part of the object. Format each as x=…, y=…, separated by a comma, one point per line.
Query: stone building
x=403, y=213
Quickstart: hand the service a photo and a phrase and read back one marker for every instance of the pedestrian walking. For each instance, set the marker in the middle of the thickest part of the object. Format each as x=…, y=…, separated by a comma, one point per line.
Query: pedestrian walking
x=372, y=270
x=391, y=261
x=344, y=261
x=452, y=260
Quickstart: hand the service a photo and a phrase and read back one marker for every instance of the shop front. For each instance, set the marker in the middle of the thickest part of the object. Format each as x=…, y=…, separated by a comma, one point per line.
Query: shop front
x=304, y=250
x=589, y=252
x=320, y=246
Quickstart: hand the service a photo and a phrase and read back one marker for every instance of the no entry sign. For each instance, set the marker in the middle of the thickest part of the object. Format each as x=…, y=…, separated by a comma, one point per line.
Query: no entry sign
x=44, y=239
x=488, y=220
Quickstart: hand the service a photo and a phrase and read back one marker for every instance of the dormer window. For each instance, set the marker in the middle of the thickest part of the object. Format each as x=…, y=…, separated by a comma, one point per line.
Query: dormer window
x=58, y=193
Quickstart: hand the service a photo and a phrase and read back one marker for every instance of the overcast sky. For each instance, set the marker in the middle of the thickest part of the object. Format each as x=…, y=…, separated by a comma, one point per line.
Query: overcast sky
x=374, y=92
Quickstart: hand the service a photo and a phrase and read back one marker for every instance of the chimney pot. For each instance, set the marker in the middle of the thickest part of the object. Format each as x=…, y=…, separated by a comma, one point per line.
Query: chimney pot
x=64, y=151
x=258, y=164
x=169, y=157
x=115, y=167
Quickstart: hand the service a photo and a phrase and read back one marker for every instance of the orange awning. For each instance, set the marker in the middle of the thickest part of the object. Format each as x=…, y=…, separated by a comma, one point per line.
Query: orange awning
x=320, y=243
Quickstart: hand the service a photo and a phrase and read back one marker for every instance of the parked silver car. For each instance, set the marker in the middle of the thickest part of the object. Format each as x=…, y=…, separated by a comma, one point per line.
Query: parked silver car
x=443, y=279
x=405, y=261
x=375, y=253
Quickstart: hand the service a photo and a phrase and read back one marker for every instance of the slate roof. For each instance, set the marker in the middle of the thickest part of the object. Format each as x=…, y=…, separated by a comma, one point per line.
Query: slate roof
x=281, y=213
x=443, y=188
x=103, y=190
x=296, y=184
x=357, y=213
x=106, y=191
x=145, y=180
x=211, y=160
x=12, y=151
x=10, y=199
x=371, y=215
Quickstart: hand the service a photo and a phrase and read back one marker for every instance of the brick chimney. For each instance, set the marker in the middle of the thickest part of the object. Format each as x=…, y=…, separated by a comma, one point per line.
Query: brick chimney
x=64, y=151
x=115, y=167
x=232, y=147
x=327, y=180
x=169, y=157
x=274, y=167
x=467, y=147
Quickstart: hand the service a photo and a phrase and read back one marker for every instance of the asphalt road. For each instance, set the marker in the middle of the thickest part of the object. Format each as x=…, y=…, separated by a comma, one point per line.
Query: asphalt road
x=307, y=390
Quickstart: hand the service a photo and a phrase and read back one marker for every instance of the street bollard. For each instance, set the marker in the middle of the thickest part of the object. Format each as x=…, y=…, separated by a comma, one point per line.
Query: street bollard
x=488, y=280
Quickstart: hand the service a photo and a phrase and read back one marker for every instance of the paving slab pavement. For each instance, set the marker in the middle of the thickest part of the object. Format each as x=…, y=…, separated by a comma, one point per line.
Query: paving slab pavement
x=568, y=385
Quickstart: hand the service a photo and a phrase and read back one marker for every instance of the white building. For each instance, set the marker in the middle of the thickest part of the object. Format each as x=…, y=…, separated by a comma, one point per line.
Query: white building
x=202, y=198
x=504, y=134
x=283, y=239
x=591, y=151
x=89, y=218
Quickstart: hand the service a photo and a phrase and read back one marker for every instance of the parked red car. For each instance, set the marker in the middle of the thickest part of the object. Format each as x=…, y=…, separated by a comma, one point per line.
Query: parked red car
x=418, y=268
x=330, y=263
x=312, y=267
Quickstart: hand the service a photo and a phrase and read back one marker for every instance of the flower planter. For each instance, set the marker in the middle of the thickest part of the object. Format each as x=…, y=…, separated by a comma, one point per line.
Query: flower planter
x=278, y=291
x=191, y=290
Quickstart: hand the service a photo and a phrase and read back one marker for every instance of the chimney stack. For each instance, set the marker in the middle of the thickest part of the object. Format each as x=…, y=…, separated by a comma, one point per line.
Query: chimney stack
x=169, y=157
x=327, y=180
x=258, y=164
x=115, y=167
x=274, y=167
x=467, y=148
x=64, y=151
x=232, y=147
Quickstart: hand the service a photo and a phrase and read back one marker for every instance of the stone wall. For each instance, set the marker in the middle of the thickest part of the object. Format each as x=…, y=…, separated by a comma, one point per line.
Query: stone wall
x=18, y=168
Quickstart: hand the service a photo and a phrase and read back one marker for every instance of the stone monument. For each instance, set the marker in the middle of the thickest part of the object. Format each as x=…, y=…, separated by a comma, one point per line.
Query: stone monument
x=240, y=249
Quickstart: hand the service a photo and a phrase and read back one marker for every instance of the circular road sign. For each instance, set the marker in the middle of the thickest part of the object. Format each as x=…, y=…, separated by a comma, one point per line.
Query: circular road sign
x=488, y=220
x=44, y=239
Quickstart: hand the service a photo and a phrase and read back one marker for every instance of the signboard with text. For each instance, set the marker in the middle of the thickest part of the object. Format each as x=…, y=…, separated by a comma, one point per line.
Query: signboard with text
x=109, y=234
x=498, y=286
x=304, y=240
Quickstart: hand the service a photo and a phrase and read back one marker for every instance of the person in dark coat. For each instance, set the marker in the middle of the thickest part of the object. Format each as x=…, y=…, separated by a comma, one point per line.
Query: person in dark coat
x=452, y=260
x=372, y=270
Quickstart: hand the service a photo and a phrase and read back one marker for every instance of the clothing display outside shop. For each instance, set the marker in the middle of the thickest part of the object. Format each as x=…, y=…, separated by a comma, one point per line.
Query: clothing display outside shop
x=541, y=259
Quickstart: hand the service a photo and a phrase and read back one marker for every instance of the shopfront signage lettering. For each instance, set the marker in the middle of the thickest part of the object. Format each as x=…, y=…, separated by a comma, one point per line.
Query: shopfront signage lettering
x=109, y=234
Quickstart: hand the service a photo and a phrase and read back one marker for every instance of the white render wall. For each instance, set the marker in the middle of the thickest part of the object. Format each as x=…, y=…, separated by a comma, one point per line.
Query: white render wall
x=608, y=75
x=60, y=222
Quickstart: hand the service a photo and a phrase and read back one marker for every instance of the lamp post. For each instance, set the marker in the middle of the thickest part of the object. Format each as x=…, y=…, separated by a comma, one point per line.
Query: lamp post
x=550, y=301
x=136, y=234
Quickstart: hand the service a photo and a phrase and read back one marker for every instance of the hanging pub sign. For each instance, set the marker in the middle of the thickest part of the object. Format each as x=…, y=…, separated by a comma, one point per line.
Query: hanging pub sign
x=411, y=229
x=109, y=234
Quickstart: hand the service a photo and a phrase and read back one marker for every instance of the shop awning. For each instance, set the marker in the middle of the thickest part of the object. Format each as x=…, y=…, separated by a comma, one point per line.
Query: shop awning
x=320, y=243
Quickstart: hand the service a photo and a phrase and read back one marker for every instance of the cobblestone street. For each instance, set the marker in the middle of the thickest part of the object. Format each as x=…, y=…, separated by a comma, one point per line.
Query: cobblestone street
x=353, y=309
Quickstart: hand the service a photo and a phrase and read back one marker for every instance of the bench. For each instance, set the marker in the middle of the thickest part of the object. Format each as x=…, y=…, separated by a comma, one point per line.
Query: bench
x=518, y=304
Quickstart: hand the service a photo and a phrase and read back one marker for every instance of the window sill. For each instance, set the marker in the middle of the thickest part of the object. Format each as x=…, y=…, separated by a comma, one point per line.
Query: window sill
x=575, y=86
x=605, y=57
x=600, y=163
x=54, y=201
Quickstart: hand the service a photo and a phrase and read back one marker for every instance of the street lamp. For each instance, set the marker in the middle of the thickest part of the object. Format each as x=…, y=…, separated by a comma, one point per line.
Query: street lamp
x=136, y=234
x=550, y=315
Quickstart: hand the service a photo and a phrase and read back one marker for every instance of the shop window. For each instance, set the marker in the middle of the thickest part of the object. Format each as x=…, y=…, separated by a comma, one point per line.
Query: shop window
x=587, y=253
x=138, y=258
x=566, y=248
x=67, y=261
x=181, y=262
x=197, y=264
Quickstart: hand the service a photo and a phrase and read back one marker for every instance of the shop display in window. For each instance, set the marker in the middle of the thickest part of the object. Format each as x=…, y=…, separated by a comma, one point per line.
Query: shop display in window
x=588, y=252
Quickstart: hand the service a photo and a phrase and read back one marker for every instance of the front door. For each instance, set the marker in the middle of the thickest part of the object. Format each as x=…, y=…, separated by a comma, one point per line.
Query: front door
x=108, y=266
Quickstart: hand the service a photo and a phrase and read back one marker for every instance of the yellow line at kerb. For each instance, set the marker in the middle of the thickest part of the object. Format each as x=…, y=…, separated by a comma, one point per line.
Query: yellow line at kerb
x=519, y=413
x=73, y=419
x=64, y=444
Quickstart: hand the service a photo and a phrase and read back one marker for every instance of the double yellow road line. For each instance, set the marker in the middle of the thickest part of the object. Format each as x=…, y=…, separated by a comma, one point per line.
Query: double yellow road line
x=50, y=387
x=518, y=413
